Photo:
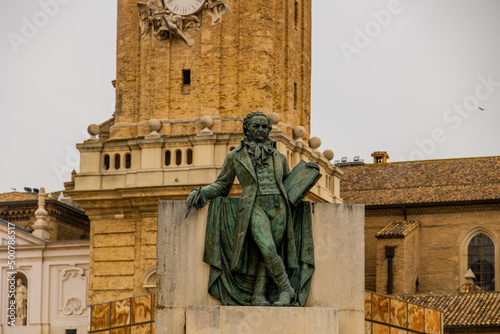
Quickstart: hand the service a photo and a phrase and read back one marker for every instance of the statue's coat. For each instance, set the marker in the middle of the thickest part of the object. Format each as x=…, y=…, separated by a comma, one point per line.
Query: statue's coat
x=238, y=163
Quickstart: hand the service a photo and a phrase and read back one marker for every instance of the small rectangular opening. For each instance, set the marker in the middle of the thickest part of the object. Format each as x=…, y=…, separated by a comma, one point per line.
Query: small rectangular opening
x=186, y=82
x=296, y=14
x=70, y=331
x=186, y=77
x=295, y=95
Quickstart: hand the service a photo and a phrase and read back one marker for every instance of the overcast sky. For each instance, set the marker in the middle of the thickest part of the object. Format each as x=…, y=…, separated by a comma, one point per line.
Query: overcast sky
x=403, y=76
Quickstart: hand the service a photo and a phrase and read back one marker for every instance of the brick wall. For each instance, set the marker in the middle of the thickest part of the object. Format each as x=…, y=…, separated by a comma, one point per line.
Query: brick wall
x=249, y=62
x=442, y=231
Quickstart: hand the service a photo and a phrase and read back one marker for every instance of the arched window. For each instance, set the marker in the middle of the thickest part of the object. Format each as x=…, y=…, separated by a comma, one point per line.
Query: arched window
x=106, y=161
x=117, y=161
x=481, y=259
x=128, y=160
x=189, y=156
x=168, y=157
x=178, y=157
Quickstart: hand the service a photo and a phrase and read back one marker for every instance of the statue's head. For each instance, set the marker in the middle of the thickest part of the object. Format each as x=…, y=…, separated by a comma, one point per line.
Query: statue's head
x=257, y=126
x=19, y=281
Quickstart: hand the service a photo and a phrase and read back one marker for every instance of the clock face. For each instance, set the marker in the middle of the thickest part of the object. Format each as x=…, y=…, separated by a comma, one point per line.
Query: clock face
x=184, y=7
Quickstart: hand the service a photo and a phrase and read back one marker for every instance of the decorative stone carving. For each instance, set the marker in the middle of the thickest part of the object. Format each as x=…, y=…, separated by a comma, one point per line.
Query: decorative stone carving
x=178, y=18
x=21, y=301
x=155, y=126
x=314, y=143
x=165, y=24
x=93, y=131
x=148, y=279
x=206, y=123
x=216, y=9
x=328, y=154
x=41, y=227
x=275, y=119
x=72, y=291
x=74, y=306
x=299, y=132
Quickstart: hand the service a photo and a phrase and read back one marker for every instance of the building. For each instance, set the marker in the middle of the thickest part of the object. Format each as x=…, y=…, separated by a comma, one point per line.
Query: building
x=433, y=219
x=45, y=273
x=182, y=92
x=67, y=220
x=427, y=223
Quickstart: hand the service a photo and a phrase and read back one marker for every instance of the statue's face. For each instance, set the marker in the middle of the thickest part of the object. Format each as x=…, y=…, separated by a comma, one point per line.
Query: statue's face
x=259, y=128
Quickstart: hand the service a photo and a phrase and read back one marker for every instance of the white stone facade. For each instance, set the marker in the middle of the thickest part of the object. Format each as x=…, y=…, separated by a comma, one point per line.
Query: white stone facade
x=56, y=275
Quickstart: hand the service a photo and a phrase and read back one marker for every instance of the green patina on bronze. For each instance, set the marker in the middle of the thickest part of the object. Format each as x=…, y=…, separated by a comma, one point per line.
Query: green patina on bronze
x=259, y=246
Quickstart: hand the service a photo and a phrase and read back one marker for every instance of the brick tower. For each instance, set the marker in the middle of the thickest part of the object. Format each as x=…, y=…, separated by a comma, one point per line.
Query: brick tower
x=258, y=57
x=185, y=80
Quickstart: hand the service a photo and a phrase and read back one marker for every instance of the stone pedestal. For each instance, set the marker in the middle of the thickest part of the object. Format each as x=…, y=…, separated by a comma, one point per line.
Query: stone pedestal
x=336, y=299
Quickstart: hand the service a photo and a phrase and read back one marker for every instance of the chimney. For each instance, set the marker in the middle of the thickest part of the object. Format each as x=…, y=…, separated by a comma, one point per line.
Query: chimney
x=380, y=157
x=470, y=277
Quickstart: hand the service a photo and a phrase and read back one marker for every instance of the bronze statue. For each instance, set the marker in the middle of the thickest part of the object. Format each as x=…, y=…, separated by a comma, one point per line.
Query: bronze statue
x=256, y=237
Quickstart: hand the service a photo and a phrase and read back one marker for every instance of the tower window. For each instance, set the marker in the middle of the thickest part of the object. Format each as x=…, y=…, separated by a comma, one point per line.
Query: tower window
x=117, y=161
x=295, y=95
x=106, y=161
x=189, y=156
x=70, y=331
x=128, y=160
x=186, y=77
x=296, y=14
x=481, y=259
x=178, y=157
x=168, y=158
x=186, y=82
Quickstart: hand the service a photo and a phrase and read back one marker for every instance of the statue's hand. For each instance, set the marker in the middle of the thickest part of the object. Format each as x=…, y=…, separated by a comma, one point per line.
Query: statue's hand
x=312, y=164
x=192, y=197
x=196, y=199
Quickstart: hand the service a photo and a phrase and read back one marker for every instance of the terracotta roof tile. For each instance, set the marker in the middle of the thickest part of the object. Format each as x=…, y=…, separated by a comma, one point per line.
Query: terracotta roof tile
x=463, y=309
x=425, y=181
x=398, y=229
x=17, y=197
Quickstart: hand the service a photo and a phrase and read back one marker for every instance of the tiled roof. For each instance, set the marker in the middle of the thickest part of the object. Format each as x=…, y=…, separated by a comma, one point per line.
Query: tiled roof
x=17, y=197
x=398, y=229
x=469, y=288
x=427, y=181
x=463, y=309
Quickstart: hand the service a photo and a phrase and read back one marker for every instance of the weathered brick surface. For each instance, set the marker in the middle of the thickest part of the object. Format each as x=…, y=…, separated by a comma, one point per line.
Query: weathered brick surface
x=111, y=283
x=436, y=249
x=113, y=240
x=249, y=62
x=113, y=254
x=405, y=263
x=114, y=268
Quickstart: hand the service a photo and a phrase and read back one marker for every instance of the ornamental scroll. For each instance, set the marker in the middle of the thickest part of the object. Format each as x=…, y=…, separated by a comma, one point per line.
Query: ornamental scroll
x=165, y=23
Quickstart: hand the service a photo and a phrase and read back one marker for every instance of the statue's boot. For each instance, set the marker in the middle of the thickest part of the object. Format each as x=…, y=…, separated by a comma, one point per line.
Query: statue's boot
x=260, y=287
x=277, y=271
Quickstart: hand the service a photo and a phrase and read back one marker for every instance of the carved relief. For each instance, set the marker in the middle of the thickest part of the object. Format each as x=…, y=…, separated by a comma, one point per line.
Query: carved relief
x=166, y=23
x=72, y=291
x=73, y=306
x=216, y=9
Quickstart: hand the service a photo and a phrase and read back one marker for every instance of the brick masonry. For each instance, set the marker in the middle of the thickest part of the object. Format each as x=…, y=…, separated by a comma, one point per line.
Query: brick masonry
x=254, y=60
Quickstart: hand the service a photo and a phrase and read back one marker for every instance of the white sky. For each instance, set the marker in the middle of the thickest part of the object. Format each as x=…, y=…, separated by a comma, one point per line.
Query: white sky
x=394, y=93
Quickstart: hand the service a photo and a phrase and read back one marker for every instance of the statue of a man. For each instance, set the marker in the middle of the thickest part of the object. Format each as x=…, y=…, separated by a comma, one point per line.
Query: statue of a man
x=263, y=212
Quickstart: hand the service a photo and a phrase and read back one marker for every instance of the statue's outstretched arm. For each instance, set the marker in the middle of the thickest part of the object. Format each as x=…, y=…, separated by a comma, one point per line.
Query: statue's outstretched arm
x=220, y=187
x=224, y=182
